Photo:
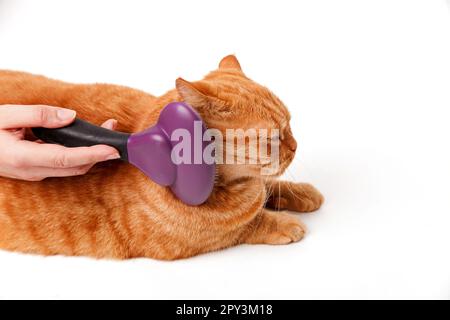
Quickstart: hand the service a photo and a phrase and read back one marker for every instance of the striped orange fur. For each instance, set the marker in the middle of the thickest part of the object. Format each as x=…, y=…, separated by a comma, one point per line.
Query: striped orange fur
x=115, y=211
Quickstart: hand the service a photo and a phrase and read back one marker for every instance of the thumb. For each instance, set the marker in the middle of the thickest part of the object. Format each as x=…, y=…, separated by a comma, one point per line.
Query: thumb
x=18, y=116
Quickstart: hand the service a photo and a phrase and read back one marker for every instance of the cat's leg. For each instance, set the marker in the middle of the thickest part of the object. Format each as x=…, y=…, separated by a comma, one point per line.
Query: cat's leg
x=299, y=197
x=274, y=228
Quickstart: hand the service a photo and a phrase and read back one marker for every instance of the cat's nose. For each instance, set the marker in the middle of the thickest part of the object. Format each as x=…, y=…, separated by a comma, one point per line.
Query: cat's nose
x=292, y=144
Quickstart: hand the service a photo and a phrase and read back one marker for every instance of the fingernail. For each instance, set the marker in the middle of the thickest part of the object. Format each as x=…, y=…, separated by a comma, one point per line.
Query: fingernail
x=113, y=157
x=65, y=114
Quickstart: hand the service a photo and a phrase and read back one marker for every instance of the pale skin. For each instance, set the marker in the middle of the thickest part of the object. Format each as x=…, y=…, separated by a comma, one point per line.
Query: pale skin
x=29, y=160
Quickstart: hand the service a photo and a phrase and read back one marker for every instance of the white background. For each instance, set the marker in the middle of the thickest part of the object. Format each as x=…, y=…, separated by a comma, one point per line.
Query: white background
x=368, y=85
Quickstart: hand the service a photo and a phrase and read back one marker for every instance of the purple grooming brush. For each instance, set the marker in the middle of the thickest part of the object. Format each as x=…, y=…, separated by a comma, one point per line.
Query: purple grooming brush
x=191, y=181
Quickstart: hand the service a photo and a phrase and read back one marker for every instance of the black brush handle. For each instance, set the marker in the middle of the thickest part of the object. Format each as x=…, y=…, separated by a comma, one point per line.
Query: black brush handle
x=84, y=134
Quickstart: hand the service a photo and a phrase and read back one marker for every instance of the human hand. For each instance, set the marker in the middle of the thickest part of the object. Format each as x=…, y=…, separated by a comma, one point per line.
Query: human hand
x=35, y=161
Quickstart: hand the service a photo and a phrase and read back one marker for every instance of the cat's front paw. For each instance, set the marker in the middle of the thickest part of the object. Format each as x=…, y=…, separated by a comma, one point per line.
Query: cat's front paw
x=277, y=228
x=299, y=197
x=289, y=229
x=304, y=197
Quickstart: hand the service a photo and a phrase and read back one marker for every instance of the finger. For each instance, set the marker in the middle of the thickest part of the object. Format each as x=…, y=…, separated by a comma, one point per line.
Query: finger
x=17, y=133
x=69, y=172
x=110, y=124
x=28, y=153
x=41, y=173
x=18, y=116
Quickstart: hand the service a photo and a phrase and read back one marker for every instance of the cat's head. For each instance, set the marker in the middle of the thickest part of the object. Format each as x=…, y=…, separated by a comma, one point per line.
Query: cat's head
x=227, y=99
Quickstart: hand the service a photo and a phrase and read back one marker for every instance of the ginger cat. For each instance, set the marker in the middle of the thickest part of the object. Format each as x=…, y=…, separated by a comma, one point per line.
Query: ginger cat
x=115, y=211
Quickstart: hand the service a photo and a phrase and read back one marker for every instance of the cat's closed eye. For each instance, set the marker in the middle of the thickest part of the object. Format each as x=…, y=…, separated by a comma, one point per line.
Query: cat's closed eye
x=275, y=138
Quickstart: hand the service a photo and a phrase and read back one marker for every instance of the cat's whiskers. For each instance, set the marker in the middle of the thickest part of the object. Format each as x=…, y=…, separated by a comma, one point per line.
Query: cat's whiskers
x=290, y=188
x=279, y=194
x=269, y=190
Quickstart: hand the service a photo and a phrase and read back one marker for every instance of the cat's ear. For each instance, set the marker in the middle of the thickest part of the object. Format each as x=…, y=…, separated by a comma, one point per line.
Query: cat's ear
x=201, y=96
x=230, y=62
x=193, y=93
